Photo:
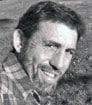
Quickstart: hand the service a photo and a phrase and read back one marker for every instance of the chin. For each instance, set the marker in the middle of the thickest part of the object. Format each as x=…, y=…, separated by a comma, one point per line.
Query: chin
x=44, y=83
x=44, y=88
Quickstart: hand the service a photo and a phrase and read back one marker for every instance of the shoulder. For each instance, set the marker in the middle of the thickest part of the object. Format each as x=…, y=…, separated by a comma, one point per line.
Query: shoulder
x=4, y=82
x=9, y=92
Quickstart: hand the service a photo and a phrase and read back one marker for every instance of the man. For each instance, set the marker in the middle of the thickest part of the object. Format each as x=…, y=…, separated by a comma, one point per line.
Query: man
x=44, y=42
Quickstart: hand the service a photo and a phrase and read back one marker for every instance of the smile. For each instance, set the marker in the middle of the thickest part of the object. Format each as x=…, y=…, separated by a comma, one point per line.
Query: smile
x=48, y=74
x=51, y=75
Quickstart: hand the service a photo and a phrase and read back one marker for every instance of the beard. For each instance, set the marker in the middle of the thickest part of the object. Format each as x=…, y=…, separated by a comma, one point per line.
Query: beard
x=44, y=89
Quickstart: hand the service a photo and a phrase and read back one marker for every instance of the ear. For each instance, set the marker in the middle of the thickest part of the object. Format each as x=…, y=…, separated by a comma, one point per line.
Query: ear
x=17, y=42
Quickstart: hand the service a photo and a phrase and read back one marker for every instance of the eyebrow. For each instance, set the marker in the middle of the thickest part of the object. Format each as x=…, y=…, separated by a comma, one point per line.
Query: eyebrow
x=57, y=44
x=73, y=49
x=52, y=43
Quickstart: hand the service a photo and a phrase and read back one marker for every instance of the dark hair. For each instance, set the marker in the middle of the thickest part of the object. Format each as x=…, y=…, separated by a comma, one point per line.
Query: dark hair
x=48, y=10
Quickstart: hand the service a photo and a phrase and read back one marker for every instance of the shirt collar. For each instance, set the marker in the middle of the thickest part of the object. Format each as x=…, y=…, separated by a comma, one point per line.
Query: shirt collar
x=14, y=71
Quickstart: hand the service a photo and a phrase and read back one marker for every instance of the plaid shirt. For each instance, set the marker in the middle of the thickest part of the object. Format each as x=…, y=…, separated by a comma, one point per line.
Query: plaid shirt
x=15, y=85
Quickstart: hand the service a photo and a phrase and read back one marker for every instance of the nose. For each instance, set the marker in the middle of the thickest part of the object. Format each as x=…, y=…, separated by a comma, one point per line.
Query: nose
x=57, y=60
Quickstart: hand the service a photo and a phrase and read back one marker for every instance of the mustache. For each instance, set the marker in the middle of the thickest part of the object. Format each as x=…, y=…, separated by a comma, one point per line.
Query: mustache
x=48, y=68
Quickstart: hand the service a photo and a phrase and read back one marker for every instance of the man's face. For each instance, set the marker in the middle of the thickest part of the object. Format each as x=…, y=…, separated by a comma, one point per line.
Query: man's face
x=49, y=54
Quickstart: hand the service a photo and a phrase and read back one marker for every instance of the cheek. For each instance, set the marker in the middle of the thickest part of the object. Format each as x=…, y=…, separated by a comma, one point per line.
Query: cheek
x=66, y=65
x=42, y=55
x=67, y=61
x=38, y=54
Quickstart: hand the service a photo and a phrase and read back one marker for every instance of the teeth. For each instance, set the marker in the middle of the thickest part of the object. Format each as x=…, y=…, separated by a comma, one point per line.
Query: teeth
x=50, y=75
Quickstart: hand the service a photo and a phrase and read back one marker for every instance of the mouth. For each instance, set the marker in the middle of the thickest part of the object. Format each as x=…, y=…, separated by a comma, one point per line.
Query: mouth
x=48, y=76
x=48, y=72
x=51, y=75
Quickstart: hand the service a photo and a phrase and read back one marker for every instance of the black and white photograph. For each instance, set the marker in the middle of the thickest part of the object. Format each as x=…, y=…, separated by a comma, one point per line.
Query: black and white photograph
x=45, y=52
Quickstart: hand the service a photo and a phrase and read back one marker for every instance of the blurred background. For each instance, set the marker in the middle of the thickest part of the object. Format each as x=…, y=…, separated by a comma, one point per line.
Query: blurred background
x=75, y=88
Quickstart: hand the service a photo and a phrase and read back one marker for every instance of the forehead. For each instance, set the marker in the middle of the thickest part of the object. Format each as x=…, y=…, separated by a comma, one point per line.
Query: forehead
x=57, y=32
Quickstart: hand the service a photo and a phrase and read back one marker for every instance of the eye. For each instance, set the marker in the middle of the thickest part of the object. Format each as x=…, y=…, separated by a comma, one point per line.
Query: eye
x=70, y=51
x=50, y=46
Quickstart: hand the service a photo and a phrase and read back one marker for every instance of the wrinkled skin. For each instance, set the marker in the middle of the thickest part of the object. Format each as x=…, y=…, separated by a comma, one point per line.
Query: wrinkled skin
x=48, y=54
